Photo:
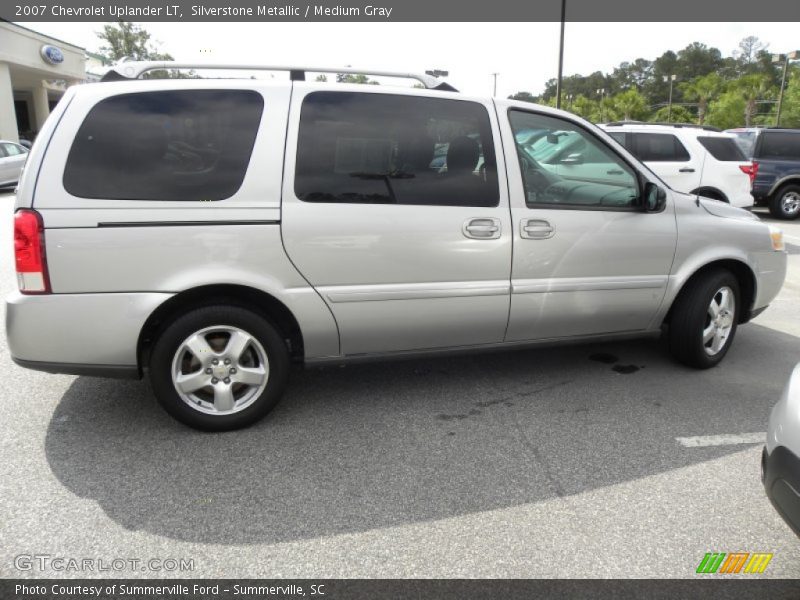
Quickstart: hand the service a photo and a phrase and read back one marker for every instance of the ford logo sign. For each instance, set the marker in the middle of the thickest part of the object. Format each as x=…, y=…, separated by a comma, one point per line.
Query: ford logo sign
x=52, y=55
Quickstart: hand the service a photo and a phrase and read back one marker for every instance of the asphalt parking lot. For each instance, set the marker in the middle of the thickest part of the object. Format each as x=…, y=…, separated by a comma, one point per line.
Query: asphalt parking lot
x=543, y=463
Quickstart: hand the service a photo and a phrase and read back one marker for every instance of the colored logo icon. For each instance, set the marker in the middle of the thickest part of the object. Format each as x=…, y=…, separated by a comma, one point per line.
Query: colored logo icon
x=734, y=562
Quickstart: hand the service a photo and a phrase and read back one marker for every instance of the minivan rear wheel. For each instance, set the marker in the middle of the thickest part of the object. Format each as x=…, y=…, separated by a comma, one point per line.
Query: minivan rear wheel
x=219, y=368
x=704, y=319
x=785, y=203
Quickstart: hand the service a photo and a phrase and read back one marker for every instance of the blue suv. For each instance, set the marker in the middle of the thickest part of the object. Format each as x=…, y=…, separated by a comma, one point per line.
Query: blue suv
x=776, y=168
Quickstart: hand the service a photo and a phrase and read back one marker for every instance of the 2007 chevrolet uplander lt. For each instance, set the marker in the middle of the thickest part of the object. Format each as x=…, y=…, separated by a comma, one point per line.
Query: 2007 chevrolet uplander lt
x=211, y=231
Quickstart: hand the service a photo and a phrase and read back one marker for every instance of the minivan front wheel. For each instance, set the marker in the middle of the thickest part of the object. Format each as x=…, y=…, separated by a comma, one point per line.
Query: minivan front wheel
x=785, y=203
x=704, y=319
x=218, y=368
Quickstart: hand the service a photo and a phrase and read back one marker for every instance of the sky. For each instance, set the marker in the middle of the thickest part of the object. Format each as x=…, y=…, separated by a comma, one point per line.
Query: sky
x=525, y=55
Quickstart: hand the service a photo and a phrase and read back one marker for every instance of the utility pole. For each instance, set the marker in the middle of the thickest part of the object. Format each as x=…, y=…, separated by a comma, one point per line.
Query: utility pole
x=671, y=79
x=602, y=93
x=776, y=58
x=494, y=92
x=561, y=53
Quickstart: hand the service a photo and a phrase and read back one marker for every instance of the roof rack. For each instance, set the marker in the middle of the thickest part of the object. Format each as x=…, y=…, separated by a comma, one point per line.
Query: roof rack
x=676, y=125
x=129, y=69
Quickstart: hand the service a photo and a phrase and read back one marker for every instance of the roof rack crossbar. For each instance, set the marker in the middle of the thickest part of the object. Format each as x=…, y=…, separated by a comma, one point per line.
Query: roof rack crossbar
x=134, y=70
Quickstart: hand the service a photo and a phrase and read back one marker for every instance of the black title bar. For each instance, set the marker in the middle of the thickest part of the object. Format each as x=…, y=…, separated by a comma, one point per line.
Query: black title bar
x=401, y=10
x=704, y=587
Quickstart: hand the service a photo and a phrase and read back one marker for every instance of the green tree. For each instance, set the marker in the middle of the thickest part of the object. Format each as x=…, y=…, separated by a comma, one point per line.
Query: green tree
x=727, y=111
x=790, y=111
x=752, y=88
x=702, y=89
x=585, y=107
x=630, y=104
x=634, y=74
x=128, y=40
x=523, y=97
x=679, y=114
x=352, y=78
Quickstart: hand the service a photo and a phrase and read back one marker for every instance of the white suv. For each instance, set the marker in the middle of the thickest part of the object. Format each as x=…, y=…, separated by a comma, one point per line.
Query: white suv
x=690, y=159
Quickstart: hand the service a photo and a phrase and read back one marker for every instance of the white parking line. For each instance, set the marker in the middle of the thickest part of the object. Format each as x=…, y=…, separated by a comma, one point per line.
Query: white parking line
x=725, y=439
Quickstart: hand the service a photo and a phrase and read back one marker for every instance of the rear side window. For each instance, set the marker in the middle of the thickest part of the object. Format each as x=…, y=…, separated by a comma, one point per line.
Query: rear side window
x=170, y=145
x=722, y=148
x=780, y=144
x=658, y=147
x=391, y=149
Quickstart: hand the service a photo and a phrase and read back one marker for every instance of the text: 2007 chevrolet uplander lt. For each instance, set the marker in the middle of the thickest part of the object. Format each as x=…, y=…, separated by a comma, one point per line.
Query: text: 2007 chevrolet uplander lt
x=210, y=232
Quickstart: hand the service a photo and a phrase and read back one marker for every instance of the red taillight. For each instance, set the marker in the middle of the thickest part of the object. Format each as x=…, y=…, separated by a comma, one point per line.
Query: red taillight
x=29, y=253
x=750, y=170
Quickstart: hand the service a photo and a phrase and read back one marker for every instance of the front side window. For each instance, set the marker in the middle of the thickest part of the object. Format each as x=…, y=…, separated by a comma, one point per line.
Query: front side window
x=167, y=145
x=391, y=149
x=565, y=166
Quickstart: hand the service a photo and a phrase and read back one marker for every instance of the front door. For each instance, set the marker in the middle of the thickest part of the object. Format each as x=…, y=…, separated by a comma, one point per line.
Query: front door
x=393, y=210
x=586, y=260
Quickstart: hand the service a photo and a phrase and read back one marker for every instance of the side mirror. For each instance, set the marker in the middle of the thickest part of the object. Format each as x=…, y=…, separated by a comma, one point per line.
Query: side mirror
x=654, y=198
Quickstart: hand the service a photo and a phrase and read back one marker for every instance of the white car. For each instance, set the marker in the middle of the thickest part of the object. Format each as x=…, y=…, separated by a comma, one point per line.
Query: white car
x=690, y=159
x=12, y=159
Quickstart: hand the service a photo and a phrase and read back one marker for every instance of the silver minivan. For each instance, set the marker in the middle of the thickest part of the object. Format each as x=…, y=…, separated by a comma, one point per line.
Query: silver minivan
x=211, y=232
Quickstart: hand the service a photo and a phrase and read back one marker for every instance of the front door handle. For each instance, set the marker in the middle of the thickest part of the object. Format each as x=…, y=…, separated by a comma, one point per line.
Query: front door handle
x=686, y=170
x=485, y=228
x=536, y=229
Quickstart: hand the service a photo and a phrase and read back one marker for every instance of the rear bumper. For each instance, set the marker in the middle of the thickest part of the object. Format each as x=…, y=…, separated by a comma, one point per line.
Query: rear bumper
x=80, y=334
x=780, y=473
x=111, y=371
x=742, y=200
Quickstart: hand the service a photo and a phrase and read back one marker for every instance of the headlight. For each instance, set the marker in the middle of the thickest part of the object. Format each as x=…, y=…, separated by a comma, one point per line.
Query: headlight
x=776, y=235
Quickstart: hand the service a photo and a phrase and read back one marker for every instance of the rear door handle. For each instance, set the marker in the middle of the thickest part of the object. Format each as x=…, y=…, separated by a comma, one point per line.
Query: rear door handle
x=485, y=228
x=536, y=229
x=686, y=170
x=615, y=172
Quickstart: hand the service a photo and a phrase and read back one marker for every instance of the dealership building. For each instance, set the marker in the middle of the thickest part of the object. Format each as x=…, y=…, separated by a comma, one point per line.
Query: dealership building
x=35, y=71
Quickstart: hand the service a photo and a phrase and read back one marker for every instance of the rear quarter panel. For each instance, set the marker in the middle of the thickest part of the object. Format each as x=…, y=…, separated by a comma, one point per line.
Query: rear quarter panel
x=100, y=246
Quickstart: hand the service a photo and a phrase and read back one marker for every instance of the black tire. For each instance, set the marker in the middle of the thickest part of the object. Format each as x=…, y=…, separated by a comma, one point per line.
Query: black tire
x=690, y=317
x=780, y=205
x=173, y=336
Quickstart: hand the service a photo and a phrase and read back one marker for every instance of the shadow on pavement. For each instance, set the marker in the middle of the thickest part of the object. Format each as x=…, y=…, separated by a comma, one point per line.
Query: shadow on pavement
x=369, y=446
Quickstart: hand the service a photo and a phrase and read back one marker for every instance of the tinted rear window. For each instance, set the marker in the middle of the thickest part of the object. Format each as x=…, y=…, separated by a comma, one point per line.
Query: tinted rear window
x=170, y=145
x=722, y=148
x=658, y=147
x=780, y=145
